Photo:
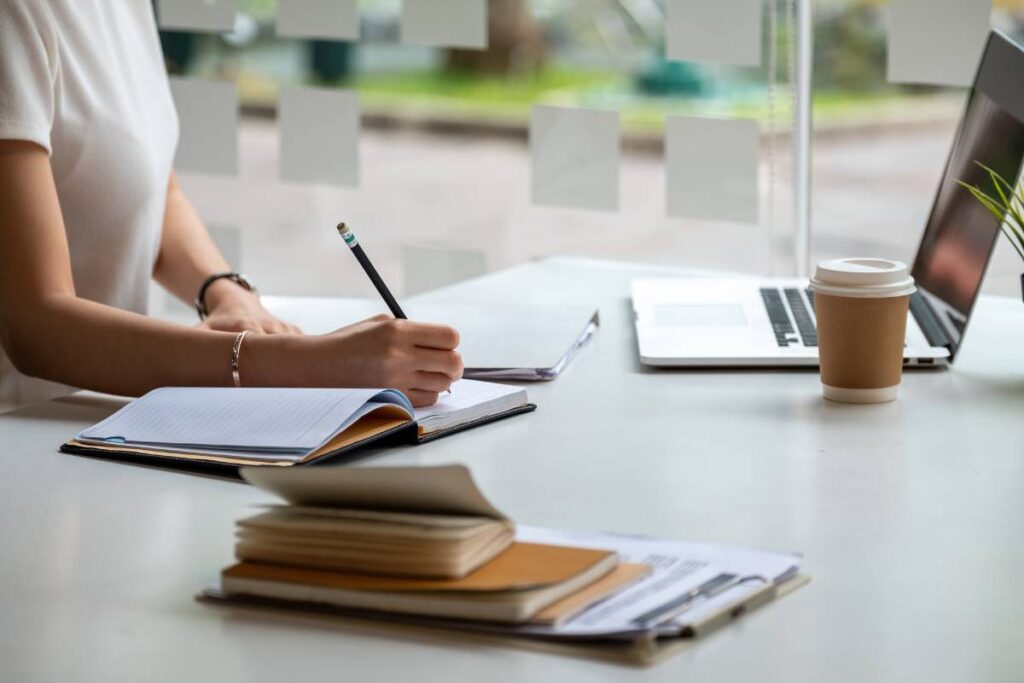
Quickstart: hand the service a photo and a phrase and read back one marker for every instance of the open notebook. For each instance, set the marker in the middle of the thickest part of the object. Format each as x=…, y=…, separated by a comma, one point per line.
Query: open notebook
x=282, y=427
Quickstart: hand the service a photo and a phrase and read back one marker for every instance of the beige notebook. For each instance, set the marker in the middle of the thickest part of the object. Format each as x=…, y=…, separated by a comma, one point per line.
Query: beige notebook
x=401, y=521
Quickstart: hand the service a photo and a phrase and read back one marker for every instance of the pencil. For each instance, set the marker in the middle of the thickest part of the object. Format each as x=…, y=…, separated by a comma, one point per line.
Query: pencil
x=371, y=272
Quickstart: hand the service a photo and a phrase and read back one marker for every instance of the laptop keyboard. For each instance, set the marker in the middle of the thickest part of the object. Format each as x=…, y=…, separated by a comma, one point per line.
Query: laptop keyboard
x=790, y=329
x=804, y=323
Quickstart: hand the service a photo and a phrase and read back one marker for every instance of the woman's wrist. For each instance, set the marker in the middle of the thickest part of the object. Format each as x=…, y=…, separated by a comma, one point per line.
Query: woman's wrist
x=276, y=360
x=225, y=292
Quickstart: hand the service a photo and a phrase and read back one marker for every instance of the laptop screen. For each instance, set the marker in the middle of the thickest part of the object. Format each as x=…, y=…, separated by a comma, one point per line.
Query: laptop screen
x=961, y=233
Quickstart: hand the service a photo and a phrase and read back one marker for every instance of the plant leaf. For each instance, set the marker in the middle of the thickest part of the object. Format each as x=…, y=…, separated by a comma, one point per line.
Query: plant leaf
x=1008, y=209
x=998, y=181
x=994, y=207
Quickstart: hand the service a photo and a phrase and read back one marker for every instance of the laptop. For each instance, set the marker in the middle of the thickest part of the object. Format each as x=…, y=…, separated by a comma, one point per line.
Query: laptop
x=749, y=321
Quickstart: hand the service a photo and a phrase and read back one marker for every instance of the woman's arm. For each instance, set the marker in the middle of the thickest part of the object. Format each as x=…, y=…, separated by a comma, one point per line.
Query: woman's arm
x=49, y=332
x=188, y=256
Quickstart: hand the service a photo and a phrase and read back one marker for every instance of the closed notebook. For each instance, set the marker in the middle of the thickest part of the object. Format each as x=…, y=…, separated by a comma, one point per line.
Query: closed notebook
x=500, y=341
x=376, y=542
x=511, y=588
x=283, y=426
x=397, y=521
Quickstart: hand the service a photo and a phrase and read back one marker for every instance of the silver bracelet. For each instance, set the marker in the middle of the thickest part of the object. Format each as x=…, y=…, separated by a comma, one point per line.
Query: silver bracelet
x=236, y=350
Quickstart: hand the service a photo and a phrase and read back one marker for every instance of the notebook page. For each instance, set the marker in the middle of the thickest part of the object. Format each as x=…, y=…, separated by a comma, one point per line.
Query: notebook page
x=469, y=400
x=221, y=418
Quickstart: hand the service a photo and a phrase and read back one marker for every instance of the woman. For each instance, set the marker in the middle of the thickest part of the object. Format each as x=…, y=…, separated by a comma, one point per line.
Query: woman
x=90, y=210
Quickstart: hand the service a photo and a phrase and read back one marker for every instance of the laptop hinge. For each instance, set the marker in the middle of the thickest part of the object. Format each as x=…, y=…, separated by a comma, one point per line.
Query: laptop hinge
x=928, y=321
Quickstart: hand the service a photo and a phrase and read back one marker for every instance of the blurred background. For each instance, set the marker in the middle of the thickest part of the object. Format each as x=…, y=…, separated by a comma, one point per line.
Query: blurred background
x=445, y=166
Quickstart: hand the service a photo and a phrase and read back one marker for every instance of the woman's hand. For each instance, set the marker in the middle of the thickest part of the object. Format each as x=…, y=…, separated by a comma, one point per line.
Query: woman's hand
x=419, y=359
x=233, y=309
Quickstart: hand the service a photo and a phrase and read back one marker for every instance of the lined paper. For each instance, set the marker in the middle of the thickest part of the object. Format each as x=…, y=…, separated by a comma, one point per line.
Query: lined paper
x=319, y=135
x=575, y=157
x=196, y=15
x=445, y=23
x=722, y=31
x=937, y=42
x=468, y=400
x=251, y=419
x=327, y=19
x=711, y=169
x=208, y=118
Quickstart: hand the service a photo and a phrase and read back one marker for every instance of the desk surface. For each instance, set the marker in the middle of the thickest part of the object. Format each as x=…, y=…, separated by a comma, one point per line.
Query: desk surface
x=910, y=515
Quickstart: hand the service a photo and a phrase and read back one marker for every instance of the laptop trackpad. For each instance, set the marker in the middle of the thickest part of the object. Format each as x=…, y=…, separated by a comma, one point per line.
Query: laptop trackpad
x=696, y=315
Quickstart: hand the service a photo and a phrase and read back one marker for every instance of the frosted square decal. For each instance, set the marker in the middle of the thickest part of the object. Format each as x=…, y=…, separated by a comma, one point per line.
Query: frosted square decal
x=722, y=31
x=445, y=23
x=575, y=157
x=711, y=168
x=937, y=42
x=208, y=118
x=427, y=268
x=196, y=15
x=319, y=135
x=229, y=242
x=327, y=19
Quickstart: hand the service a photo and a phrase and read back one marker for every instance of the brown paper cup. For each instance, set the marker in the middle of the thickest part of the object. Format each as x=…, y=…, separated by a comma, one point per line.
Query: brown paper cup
x=860, y=343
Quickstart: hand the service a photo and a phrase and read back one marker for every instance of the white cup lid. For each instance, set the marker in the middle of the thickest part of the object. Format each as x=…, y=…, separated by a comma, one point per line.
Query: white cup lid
x=867, y=278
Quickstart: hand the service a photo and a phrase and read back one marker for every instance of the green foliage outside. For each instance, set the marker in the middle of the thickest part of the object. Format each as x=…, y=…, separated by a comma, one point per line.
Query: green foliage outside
x=850, y=83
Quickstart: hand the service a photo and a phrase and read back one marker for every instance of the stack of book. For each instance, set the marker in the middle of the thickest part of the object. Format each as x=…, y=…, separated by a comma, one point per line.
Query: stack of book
x=423, y=546
x=414, y=541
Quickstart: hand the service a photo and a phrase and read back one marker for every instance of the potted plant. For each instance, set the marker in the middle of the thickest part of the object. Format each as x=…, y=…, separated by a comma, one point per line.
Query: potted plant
x=1007, y=206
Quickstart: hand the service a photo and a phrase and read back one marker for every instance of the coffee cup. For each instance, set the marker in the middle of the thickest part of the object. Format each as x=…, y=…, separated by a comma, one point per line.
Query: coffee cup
x=861, y=305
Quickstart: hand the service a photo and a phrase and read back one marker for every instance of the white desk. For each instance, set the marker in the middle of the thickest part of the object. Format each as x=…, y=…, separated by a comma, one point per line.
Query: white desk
x=911, y=516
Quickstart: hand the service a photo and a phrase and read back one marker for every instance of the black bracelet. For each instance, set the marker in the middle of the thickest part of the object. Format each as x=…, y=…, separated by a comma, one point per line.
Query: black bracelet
x=239, y=279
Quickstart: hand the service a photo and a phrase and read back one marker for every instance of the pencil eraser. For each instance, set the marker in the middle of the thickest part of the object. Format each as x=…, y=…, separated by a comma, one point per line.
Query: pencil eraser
x=711, y=168
x=324, y=19
x=208, y=122
x=319, y=135
x=215, y=16
x=720, y=31
x=445, y=23
x=937, y=42
x=575, y=157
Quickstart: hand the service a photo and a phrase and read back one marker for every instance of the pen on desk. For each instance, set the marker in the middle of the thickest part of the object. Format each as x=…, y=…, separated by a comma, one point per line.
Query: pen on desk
x=371, y=272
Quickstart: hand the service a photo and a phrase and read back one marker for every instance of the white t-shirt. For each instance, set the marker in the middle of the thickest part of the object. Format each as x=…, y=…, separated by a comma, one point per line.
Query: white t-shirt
x=85, y=80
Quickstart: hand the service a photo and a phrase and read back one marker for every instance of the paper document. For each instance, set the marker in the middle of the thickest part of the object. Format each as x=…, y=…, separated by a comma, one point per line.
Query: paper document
x=677, y=569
